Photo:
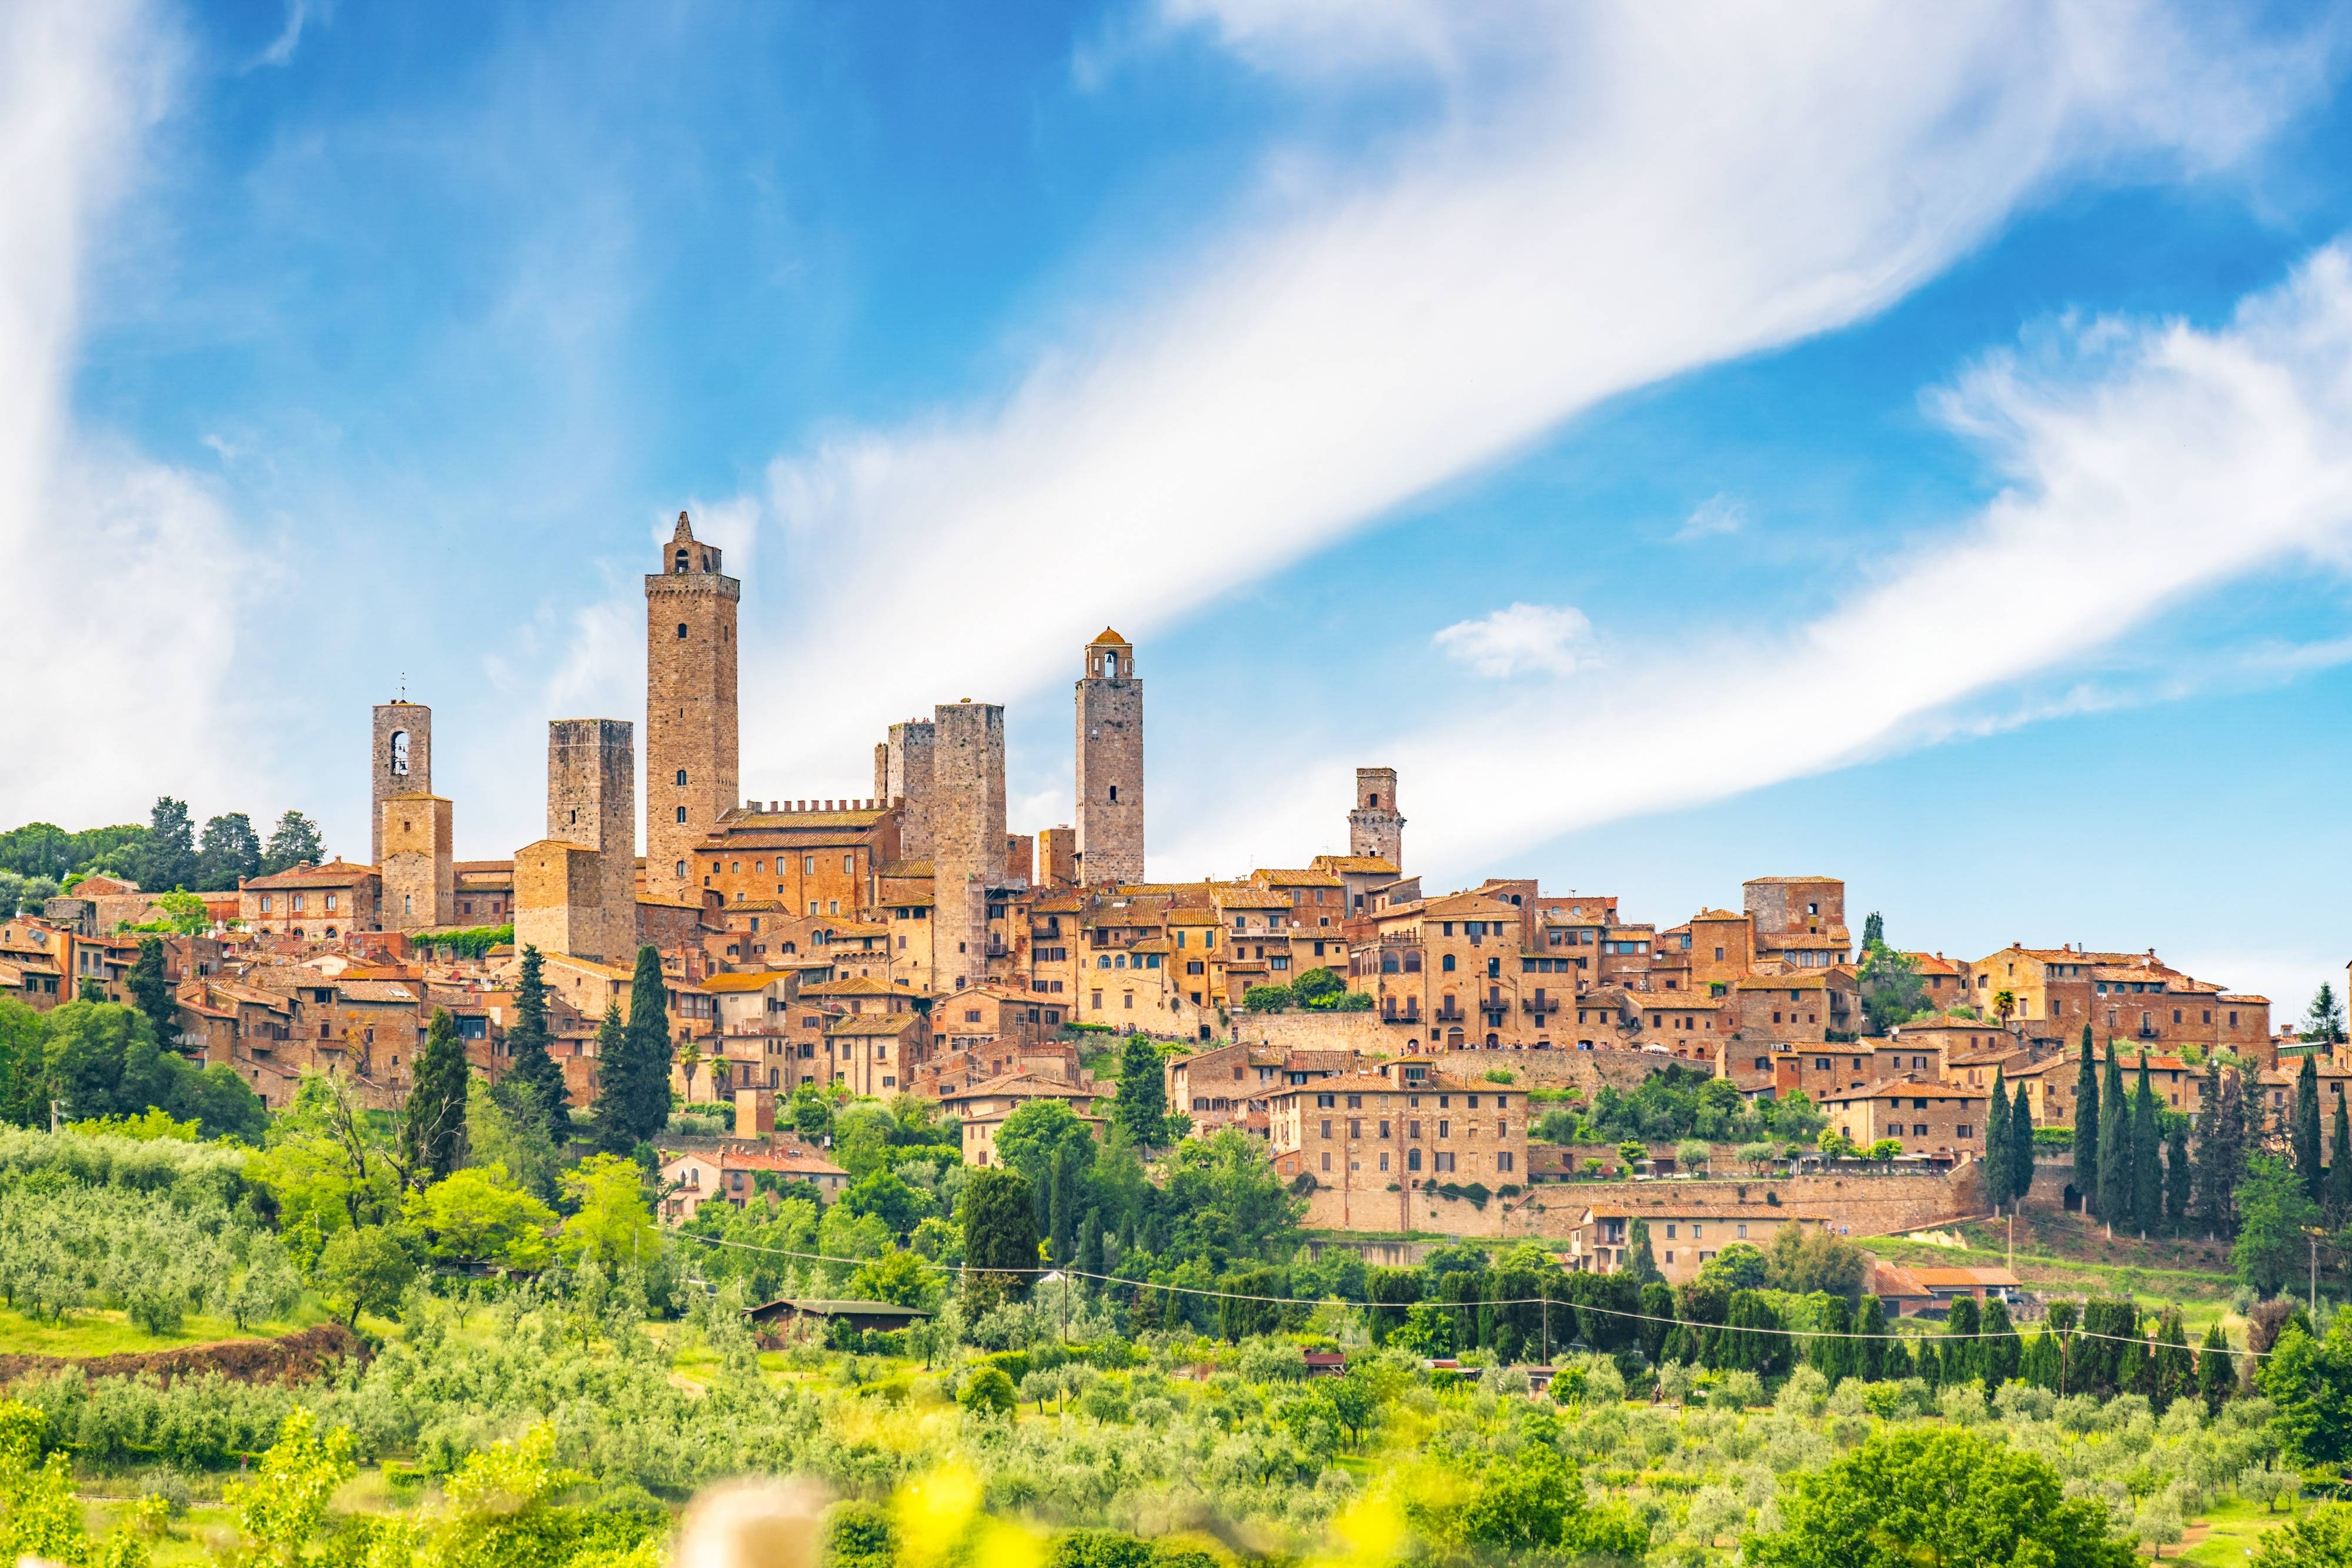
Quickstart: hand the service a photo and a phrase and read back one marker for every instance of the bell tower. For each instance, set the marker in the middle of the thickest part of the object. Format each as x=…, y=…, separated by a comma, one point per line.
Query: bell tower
x=690, y=709
x=400, y=762
x=1375, y=828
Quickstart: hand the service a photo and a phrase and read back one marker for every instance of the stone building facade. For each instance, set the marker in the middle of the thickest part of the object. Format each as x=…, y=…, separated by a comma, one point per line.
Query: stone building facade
x=1379, y=1135
x=400, y=762
x=691, y=720
x=1375, y=828
x=967, y=833
x=315, y=903
x=1110, y=765
x=417, y=859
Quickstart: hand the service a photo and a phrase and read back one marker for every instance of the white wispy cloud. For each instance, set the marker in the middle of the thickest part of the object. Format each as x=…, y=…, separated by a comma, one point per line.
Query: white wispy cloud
x=2145, y=464
x=280, y=49
x=1718, y=514
x=123, y=583
x=1520, y=639
x=1602, y=197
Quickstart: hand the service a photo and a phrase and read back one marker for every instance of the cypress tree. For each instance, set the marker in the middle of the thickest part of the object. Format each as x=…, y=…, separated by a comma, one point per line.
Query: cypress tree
x=2178, y=1178
x=2039, y=1365
x=2339, y=1169
x=1961, y=1351
x=152, y=992
x=2147, y=1142
x=1997, y=1134
x=648, y=1052
x=612, y=1108
x=1141, y=1106
x=2229, y=1151
x=1090, y=1243
x=1842, y=1354
x=2172, y=1369
x=2086, y=1125
x=2216, y=1372
x=2020, y=1150
x=2003, y=1354
x=2113, y=1145
x=530, y=1070
x=1872, y=1348
x=434, y=1130
x=1000, y=1237
x=2303, y=1128
x=1639, y=1259
x=2212, y=1187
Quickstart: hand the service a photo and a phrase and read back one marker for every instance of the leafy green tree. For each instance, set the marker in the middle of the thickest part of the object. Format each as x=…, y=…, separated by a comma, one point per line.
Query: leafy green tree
x=883, y=1193
x=2273, y=1212
x=1530, y=1504
x=1892, y=991
x=433, y=1125
x=900, y=1277
x=1802, y=1261
x=2086, y=1123
x=1912, y=1495
x=151, y=990
x=1142, y=1106
x=530, y=1070
x=479, y=1215
x=363, y=1271
x=2147, y=1143
x=229, y=850
x=1741, y=1266
x=2114, y=1145
x=999, y=1239
x=284, y=1503
x=610, y=1222
x=988, y=1391
x=2303, y=1127
x=1034, y=1134
x=2322, y=1021
x=167, y=857
x=2310, y=1381
x=2322, y=1538
x=184, y=912
x=292, y=842
x=1874, y=931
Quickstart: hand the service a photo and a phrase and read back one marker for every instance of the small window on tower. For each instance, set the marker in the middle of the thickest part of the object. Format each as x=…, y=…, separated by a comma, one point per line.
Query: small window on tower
x=681, y=631
x=398, y=761
x=1375, y=802
x=681, y=776
x=1114, y=794
x=681, y=813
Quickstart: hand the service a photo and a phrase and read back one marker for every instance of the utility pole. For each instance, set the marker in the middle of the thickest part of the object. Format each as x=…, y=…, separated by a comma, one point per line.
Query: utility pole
x=2012, y=1244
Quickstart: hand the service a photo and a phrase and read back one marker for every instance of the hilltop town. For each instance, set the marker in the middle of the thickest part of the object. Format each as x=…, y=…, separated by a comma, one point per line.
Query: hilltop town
x=1417, y=1058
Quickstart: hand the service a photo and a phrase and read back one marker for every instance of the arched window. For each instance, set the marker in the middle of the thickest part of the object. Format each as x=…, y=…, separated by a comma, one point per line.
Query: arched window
x=1373, y=801
x=681, y=631
x=1388, y=963
x=1446, y=963
x=1412, y=961
x=1493, y=1040
x=680, y=564
x=1493, y=968
x=681, y=813
x=681, y=776
x=1413, y=1159
x=396, y=757
x=681, y=868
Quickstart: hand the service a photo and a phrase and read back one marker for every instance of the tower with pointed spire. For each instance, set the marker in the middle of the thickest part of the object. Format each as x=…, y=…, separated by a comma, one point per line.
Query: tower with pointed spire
x=692, y=718
x=1110, y=764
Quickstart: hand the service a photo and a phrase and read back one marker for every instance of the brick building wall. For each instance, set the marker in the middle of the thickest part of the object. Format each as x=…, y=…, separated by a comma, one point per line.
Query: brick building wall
x=691, y=720
x=1375, y=828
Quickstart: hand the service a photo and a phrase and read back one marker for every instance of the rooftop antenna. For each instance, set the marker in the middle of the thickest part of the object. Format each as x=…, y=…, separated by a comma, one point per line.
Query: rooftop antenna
x=403, y=686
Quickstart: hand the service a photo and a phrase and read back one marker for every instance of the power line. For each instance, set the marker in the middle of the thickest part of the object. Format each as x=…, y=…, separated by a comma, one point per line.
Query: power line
x=1511, y=1301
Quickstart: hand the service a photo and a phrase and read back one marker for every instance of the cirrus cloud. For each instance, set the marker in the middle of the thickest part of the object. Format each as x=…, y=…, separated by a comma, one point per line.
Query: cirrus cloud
x=1520, y=639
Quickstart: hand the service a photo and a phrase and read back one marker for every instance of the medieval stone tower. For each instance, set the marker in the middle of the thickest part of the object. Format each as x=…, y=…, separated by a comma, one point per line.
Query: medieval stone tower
x=400, y=763
x=417, y=861
x=907, y=777
x=691, y=709
x=967, y=837
x=575, y=891
x=1110, y=764
x=1374, y=828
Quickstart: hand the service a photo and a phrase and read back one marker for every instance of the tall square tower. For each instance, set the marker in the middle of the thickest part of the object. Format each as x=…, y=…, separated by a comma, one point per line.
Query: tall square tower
x=691, y=719
x=417, y=862
x=907, y=777
x=967, y=837
x=1375, y=828
x=1110, y=764
x=592, y=775
x=400, y=763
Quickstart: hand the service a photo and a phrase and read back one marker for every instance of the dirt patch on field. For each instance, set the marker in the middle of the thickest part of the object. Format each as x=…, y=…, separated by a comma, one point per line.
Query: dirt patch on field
x=303, y=1357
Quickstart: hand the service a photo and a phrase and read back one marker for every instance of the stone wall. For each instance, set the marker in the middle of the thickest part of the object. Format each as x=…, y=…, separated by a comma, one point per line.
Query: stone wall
x=1367, y=1034
x=420, y=871
x=1374, y=828
x=592, y=802
x=1852, y=1203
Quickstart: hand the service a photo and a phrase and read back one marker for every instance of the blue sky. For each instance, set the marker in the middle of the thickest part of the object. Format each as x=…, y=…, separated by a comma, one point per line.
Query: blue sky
x=1915, y=448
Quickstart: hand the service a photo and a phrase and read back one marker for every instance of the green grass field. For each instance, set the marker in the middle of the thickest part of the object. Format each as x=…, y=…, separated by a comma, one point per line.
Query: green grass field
x=2230, y=1532
x=84, y=1334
